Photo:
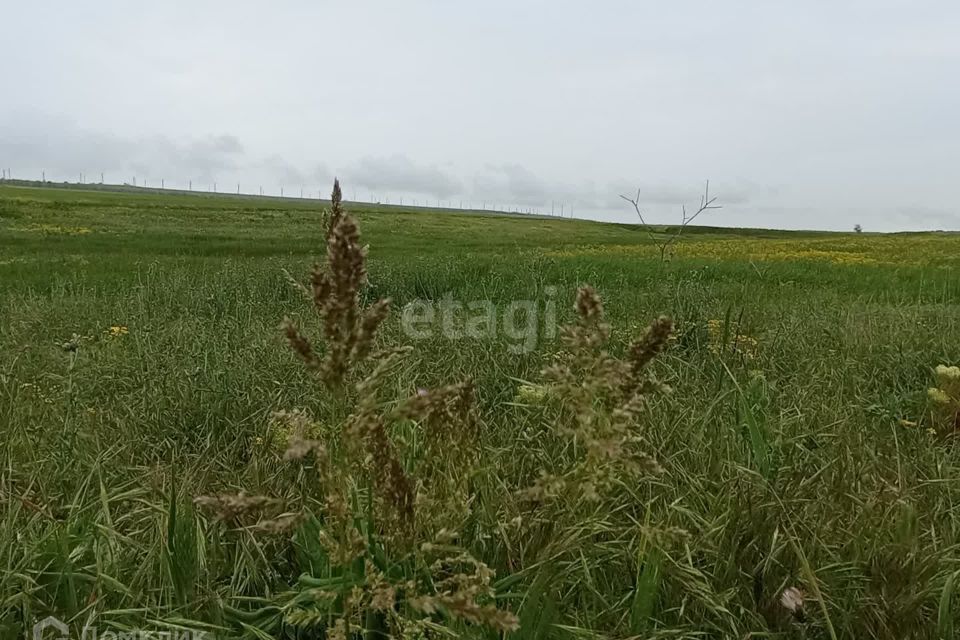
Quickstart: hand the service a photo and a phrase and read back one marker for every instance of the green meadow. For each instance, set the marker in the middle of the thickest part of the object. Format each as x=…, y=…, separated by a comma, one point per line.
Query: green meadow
x=798, y=448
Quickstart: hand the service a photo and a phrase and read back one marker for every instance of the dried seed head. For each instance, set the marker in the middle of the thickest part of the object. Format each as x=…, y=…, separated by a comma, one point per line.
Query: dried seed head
x=339, y=630
x=349, y=331
x=601, y=401
x=336, y=208
x=651, y=344
x=230, y=507
x=299, y=448
x=791, y=599
x=281, y=524
x=373, y=316
x=300, y=345
x=447, y=419
x=452, y=403
x=394, y=487
x=346, y=261
x=461, y=583
x=589, y=308
x=296, y=284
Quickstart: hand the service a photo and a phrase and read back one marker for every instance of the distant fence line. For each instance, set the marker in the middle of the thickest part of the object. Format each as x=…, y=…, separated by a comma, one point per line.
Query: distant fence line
x=557, y=209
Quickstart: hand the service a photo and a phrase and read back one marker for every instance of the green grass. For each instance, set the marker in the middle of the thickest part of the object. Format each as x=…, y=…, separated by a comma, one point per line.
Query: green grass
x=785, y=466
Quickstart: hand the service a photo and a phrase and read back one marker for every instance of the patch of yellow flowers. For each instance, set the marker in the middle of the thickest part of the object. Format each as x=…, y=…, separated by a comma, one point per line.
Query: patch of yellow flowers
x=283, y=426
x=55, y=229
x=945, y=398
x=736, y=343
x=531, y=394
x=898, y=249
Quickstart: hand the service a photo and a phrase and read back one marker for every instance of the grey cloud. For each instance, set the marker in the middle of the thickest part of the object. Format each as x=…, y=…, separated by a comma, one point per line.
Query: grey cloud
x=399, y=173
x=62, y=149
x=289, y=174
x=739, y=192
x=514, y=184
x=511, y=183
x=652, y=194
x=204, y=158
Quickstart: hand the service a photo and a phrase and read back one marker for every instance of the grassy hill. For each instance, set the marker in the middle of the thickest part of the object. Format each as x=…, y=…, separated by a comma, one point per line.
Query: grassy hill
x=141, y=356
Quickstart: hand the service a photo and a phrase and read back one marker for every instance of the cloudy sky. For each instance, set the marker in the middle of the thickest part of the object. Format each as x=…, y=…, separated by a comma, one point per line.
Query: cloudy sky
x=809, y=114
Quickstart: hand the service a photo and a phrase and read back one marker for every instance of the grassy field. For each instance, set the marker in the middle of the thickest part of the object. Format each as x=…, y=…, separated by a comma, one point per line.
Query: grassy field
x=141, y=358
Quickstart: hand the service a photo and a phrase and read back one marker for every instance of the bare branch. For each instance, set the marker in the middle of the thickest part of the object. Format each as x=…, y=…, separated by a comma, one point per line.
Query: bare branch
x=636, y=206
x=706, y=203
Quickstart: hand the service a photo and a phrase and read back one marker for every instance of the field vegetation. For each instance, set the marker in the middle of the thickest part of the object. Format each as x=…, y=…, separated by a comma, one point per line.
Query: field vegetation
x=777, y=459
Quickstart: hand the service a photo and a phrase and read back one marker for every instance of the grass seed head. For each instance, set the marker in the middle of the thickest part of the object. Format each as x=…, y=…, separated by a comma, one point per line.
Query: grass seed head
x=648, y=347
x=232, y=507
x=336, y=208
x=349, y=331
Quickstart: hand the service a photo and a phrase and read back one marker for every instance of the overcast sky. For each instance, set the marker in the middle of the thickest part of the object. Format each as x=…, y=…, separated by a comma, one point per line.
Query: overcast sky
x=808, y=114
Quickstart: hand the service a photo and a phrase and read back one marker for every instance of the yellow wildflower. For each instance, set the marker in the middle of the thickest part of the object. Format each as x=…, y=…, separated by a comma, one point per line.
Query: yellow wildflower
x=948, y=379
x=938, y=396
x=531, y=393
x=947, y=374
x=738, y=343
x=115, y=331
x=55, y=229
x=946, y=398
